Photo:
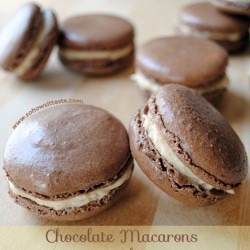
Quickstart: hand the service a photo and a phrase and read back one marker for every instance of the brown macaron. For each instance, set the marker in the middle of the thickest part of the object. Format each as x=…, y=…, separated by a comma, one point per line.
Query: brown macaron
x=203, y=20
x=237, y=7
x=193, y=62
x=185, y=146
x=26, y=41
x=96, y=44
x=68, y=162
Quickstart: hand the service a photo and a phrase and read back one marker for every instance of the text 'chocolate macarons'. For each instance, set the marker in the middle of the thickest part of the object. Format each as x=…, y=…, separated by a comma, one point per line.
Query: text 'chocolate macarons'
x=96, y=44
x=238, y=7
x=184, y=145
x=68, y=162
x=203, y=20
x=27, y=40
x=196, y=63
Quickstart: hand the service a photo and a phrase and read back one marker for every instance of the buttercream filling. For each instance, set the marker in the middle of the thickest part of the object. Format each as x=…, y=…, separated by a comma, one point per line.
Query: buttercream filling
x=34, y=53
x=222, y=83
x=88, y=55
x=144, y=83
x=218, y=36
x=156, y=137
x=80, y=200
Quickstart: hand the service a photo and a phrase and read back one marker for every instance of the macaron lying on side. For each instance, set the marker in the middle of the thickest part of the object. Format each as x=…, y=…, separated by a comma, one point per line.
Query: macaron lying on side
x=193, y=62
x=96, y=44
x=184, y=145
x=27, y=40
x=68, y=162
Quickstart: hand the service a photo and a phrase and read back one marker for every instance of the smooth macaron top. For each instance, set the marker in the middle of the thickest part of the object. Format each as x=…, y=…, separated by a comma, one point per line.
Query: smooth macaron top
x=97, y=31
x=18, y=35
x=183, y=60
x=205, y=16
x=198, y=134
x=65, y=149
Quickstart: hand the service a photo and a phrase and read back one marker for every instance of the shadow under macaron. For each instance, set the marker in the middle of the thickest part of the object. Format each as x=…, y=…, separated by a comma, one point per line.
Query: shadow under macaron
x=52, y=78
x=226, y=212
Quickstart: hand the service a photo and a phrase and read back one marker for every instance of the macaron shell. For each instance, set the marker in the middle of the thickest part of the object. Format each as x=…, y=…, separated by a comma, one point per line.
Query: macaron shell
x=66, y=149
x=18, y=35
x=72, y=214
x=184, y=60
x=44, y=53
x=236, y=7
x=160, y=172
x=205, y=16
x=199, y=136
x=98, y=67
x=96, y=32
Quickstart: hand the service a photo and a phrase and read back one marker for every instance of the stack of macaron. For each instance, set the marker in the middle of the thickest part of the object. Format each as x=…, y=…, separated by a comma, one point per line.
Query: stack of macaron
x=100, y=44
x=72, y=161
x=95, y=44
x=197, y=56
x=214, y=20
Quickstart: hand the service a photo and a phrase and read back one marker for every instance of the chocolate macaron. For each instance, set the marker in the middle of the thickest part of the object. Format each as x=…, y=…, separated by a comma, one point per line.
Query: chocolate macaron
x=203, y=20
x=238, y=7
x=26, y=41
x=184, y=145
x=96, y=44
x=194, y=62
x=68, y=162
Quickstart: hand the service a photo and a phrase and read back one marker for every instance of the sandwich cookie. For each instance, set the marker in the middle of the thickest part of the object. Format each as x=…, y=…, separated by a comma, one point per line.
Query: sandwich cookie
x=26, y=41
x=203, y=20
x=194, y=62
x=96, y=44
x=68, y=162
x=184, y=145
x=238, y=7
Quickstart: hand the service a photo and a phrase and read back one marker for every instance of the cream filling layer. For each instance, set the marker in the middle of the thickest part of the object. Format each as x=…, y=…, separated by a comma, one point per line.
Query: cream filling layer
x=190, y=31
x=76, y=201
x=33, y=54
x=88, y=55
x=156, y=137
x=144, y=83
x=220, y=84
